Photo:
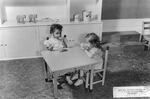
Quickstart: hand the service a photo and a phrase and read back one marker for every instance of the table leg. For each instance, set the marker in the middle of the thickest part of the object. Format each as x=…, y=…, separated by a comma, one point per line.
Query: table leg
x=87, y=80
x=46, y=72
x=91, y=79
x=55, y=86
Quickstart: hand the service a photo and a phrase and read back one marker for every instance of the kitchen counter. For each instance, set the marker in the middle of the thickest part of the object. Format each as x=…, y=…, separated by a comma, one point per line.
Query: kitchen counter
x=27, y=24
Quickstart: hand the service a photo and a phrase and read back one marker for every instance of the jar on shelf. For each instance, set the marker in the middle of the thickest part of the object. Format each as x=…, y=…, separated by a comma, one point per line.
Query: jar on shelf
x=86, y=15
x=76, y=17
x=94, y=17
x=21, y=19
x=32, y=18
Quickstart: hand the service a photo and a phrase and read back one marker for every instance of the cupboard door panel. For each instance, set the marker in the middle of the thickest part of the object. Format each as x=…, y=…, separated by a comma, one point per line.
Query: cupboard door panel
x=20, y=42
x=2, y=53
x=74, y=31
x=44, y=31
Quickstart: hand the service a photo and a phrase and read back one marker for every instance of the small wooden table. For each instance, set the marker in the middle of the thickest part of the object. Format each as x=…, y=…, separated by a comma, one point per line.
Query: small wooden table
x=60, y=63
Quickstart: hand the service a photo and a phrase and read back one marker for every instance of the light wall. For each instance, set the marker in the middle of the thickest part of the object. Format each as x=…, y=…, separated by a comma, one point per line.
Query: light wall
x=125, y=9
x=112, y=9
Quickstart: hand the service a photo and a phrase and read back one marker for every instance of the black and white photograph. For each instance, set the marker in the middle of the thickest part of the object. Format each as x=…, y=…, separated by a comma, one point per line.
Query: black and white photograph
x=74, y=49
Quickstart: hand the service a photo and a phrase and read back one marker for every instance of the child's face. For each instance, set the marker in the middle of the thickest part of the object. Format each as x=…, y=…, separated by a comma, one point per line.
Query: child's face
x=88, y=44
x=57, y=34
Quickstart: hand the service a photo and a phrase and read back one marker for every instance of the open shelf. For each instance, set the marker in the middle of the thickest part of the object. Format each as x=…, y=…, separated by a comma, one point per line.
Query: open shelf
x=77, y=6
x=62, y=10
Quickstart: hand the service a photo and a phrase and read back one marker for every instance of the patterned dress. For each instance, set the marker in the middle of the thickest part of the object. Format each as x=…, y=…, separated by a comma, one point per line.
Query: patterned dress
x=56, y=44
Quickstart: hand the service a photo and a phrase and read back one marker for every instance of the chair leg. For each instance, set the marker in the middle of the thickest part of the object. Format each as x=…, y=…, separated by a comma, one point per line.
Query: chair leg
x=91, y=79
x=87, y=80
x=145, y=47
x=103, y=80
x=148, y=45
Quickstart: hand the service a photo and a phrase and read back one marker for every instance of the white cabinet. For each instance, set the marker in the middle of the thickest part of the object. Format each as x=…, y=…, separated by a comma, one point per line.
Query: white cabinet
x=74, y=31
x=43, y=32
x=19, y=42
x=95, y=6
x=26, y=40
x=63, y=10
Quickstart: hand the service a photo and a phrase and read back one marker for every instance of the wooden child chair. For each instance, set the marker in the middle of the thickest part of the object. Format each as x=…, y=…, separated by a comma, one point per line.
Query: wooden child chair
x=90, y=81
x=145, y=38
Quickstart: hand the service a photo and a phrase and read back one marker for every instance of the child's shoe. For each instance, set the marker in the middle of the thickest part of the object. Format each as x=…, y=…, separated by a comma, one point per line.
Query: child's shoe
x=75, y=76
x=59, y=85
x=78, y=82
x=69, y=80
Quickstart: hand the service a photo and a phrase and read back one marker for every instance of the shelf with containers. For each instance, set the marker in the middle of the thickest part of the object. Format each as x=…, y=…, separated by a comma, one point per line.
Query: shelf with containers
x=2, y=12
x=52, y=10
x=47, y=10
x=85, y=10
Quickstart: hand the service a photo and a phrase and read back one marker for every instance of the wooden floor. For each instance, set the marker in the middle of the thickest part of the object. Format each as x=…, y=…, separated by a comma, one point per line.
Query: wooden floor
x=128, y=65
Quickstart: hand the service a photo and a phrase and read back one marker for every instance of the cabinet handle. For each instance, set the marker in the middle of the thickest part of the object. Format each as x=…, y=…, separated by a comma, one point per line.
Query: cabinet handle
x=1, y=44
x=5, y=44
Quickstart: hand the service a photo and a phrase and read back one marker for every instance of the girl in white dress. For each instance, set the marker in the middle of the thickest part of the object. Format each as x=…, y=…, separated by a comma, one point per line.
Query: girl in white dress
x=93, y=49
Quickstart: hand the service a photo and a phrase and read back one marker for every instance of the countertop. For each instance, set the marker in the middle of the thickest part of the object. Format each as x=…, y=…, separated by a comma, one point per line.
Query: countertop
x=27, y=24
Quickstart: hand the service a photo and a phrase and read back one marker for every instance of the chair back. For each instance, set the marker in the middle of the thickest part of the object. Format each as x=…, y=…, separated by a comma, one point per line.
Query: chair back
x=145, y=29
x=101, y=72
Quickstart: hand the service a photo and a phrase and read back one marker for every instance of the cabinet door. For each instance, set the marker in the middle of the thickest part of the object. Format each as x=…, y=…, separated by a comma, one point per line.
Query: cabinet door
x=74, y=31
x=44, y=31
x=2, y=53
x=20, y=42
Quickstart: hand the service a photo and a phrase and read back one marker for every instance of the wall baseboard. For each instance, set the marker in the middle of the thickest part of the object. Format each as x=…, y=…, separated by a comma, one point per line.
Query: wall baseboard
x=6, y=59
x=123, y=25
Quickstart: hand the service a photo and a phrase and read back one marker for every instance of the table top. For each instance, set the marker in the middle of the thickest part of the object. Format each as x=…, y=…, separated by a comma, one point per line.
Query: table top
x=72, y=58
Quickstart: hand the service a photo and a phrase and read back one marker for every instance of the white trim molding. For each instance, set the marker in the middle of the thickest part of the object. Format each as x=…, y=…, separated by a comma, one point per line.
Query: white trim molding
x=6, y=59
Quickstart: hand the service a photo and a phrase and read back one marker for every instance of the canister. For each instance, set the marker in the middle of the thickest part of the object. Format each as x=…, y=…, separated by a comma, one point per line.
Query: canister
x=86, y=16
x=32, y=18
x=76, y=17
x=21, y=19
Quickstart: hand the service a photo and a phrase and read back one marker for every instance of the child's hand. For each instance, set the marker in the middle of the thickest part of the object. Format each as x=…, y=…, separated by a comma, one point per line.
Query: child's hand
x=50, y=47
x=84, y=46
x=63, y=50
x=64, y=43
